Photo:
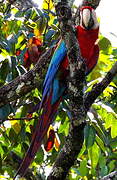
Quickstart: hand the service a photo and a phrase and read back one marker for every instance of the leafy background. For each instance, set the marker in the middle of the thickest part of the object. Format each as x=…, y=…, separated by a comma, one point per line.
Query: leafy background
x=98, y=156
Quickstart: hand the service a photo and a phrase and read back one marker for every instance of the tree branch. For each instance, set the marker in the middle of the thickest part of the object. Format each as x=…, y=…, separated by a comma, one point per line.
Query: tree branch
x=97, y=89
x=75, y=138
x=27, y=82
x=73, y=143
x=68, y=153
x=93, y=3
x=110, y=176
x=23, y=5
x=66, y=157
x=8, y=92
x=18, y=119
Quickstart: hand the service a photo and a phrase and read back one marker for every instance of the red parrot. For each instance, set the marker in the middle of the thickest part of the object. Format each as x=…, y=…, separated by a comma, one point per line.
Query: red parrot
x=55, y=81
x=32, y=53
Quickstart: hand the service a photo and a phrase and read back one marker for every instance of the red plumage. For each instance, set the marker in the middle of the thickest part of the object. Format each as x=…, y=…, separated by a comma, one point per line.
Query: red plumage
x=33, y=52
x=89, y=50
x=50, y=141
x=49, y=111
x=90, y=53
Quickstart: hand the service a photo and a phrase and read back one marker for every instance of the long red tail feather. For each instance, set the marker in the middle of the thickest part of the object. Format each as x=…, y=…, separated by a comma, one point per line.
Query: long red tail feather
x=40, y=131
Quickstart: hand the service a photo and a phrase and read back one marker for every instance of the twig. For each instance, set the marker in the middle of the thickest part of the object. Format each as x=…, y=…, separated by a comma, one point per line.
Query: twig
x=17, y=119
x=110, y=176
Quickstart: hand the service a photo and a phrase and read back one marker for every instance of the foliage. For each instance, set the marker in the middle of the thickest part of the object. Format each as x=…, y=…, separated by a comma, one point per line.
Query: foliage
x=98, y=156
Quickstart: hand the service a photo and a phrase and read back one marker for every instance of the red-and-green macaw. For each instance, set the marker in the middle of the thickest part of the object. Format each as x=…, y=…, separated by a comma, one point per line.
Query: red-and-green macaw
x=55, y=81
x=33, y=51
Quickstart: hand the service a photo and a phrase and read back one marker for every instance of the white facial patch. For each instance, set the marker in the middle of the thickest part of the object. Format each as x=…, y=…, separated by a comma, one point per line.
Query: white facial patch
x=86, y=16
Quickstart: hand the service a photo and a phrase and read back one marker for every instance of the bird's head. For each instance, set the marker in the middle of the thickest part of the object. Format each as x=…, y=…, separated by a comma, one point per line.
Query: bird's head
x=88, y=19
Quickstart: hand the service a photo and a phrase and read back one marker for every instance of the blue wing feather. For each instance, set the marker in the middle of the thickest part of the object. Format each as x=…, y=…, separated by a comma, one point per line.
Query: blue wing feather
x=58, y=56
x=57, y=90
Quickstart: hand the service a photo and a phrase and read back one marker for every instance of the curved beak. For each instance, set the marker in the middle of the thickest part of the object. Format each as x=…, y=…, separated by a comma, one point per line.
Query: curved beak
x=87, y=19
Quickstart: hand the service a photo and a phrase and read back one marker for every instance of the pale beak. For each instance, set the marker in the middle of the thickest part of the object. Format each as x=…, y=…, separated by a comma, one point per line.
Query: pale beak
x=87, y=19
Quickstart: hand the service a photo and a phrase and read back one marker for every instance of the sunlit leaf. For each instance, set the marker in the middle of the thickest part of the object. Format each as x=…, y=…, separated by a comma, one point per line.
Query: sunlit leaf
x=100, y=144
x=16, y=126
x=1, y=151
x=97, y=157
x=47, y=4
x=94, y=153
x=114, y=127
x=83, y=168
x=112, y=165
x=64, y=128
x=104, y=44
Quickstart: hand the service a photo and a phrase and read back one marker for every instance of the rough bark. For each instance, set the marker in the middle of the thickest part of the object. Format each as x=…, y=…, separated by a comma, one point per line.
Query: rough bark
x=8, y=91
x=24, y=84
x=74, y=140
x=73, y=143
x=68, y=154
x=97, y=89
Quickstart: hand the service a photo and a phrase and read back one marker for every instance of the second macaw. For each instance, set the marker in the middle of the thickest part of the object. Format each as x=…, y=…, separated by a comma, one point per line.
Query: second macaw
x=33, y=52
x=55, y=81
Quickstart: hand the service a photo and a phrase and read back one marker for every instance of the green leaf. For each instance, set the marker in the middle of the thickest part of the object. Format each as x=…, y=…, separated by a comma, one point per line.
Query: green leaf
x=24, y=147
x=28, y=13
x=1, y=152
x=83, y=168
x=5, y=111
x=99, y=132
x=82, y=150
x=39, y=156
x=109, y=117
x=112, y=165
x=14, y=69
x=104, y=171
x=22, y=134
x=102, y=161
x=0, y=162
x=4, y=70
x=93, y=153
x=64, y=127
x=114, y=127
x=104, y=44
x=100, y=144
x=21, y=70
x=12, y=135
x=89, y=134
x=102, y=165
